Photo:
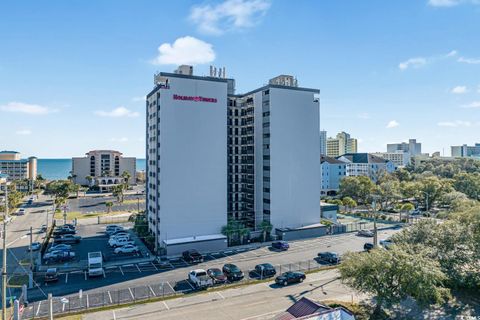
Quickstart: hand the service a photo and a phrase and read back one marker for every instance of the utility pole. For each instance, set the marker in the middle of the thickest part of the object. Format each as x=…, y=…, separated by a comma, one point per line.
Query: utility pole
x=375, y=231
x=31, y=251
x=4, y=257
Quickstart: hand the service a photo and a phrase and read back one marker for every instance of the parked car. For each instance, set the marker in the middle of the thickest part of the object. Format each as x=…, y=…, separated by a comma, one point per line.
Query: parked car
x=264, y=270
x=129, y=248
x=386, y=243
x=69, y=225
x=51, y=275
x=35, y=246
x=280, y=245
x=63, y=231
x=192, y=256
x=68, y=238
x=120, y=235
x=330, y=257
x=114, y=230
x=368, y=246
x=200, y=279
x=120, y=242
x=43, y=228
x=61, y=247
x=217, y=275
x=110, y=227
x=21, y=212
x=290, y=277
x=365, y=233
x=232, y=272
x=59, y=255
x=415, y=212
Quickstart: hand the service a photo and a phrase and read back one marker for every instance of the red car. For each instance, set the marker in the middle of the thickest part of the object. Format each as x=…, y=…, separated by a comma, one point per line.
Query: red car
x=217, y=275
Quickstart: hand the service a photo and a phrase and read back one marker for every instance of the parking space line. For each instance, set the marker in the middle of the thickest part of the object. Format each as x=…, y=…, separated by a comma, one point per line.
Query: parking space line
x=165, y=304
x=170, y=286
x=110, y=297
x=38, y=308
x=171, y=265
x=103, y=271
x=153, y=292
x=63, y=307
x=131, y=293
x=138, y=268
x=66, y=277
x=88, y=304
x=190, y=285
x=221, y=296
x=121, y=270
x=153, y=264
x=85, y=273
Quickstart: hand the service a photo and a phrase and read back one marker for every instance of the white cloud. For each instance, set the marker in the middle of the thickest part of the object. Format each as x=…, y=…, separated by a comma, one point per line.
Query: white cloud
x=139, y=99
x=392, y=124
x=450, y=3
x=185, y=50
x=443, y=3
x=454, y=124
x=473, y=105
x=469, y=60
x=452, y=53
x=228, y=15
x=122, y=139
x=459, y=90
x=23, y=132
x=364, y=116
x=117, y=113
x=413, y=62
x=33, y=109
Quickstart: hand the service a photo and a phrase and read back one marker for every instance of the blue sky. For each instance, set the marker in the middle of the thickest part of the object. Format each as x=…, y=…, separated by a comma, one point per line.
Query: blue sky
x=73, y=74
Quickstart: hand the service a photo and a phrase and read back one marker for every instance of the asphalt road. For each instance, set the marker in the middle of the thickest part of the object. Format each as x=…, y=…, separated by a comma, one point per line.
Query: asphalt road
x=18, y=235
x=259, y=301
x=131, y=277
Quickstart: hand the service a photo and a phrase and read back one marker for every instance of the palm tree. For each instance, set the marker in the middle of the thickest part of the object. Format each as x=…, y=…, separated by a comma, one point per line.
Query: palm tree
x=266, y=227
x=76, y=188
x=126, y=176
x=117, y=191
x=407, y=207
x=109, y=206
x=242, y=233
x=89, y=179
x=229, y=230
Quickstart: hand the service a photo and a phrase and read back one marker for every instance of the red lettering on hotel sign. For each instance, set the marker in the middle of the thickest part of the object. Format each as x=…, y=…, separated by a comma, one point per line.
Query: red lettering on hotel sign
x=194, y=98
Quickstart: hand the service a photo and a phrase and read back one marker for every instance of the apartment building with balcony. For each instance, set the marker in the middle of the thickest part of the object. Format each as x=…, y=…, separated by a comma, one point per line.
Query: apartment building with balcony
x=214, y=156
x=16, y=168
x=103, y=169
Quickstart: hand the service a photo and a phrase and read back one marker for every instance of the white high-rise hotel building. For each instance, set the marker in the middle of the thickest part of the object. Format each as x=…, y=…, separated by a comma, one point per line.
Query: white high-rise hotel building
x=214, y=155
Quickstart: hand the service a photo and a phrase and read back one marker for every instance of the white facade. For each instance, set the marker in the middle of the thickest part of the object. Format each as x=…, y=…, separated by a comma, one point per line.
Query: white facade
x=331, y=171
x=323, y=142
x=364, y=164
x=105, y=167
x=17, y=168
x=186, y=157
x=399, y=158
x=412, y=147
x=290, y=132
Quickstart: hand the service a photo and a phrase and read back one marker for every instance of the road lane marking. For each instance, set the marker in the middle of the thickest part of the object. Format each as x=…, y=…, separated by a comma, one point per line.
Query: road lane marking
x=121, y=270
x=165, y=304
x=131, y=293
x=138, y=268
x=114, y=317
x=153, y=292
x=110, y=297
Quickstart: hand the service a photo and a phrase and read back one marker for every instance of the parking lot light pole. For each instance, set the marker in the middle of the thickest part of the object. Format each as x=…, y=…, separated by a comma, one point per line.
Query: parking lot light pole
x=4, y=257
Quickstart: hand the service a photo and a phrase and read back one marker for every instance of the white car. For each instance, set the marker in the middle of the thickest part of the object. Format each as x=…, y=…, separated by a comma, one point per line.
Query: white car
x=61, y=246
x=120, y=242
x=114, y=230
x=386, y=243
x=129, y=248
x=200, y=279
x=120, y=235
x=365, y=233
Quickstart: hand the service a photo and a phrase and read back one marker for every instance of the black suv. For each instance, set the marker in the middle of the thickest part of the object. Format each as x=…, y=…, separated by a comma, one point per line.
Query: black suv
x=232, y=272
x=368, y=246
x=330, y=257
x=192, y=256
x=264, y=270
x=290, y=277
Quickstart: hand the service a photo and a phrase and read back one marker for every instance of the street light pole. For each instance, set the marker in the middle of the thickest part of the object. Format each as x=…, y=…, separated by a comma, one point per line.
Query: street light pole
x=4, y=257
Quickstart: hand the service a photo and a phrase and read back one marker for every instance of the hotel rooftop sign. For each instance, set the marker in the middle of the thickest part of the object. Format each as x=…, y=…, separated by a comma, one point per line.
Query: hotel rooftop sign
x=194, y=98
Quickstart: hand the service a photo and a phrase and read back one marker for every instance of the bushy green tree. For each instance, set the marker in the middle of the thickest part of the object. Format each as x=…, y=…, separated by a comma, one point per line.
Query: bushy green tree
x=393, y=275
x=358, y=188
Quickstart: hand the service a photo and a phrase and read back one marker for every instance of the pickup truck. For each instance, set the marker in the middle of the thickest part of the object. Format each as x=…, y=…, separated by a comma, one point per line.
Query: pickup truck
x=200, y=279
x=68, y=238
x=192, y=256
x=57, y=256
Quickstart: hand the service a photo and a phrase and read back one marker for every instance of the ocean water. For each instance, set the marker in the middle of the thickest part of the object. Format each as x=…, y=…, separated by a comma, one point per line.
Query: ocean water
x=59, y=169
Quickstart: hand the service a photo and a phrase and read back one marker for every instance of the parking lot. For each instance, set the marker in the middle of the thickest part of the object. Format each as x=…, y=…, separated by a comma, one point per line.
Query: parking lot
x=91, y=204
x=94, y=239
